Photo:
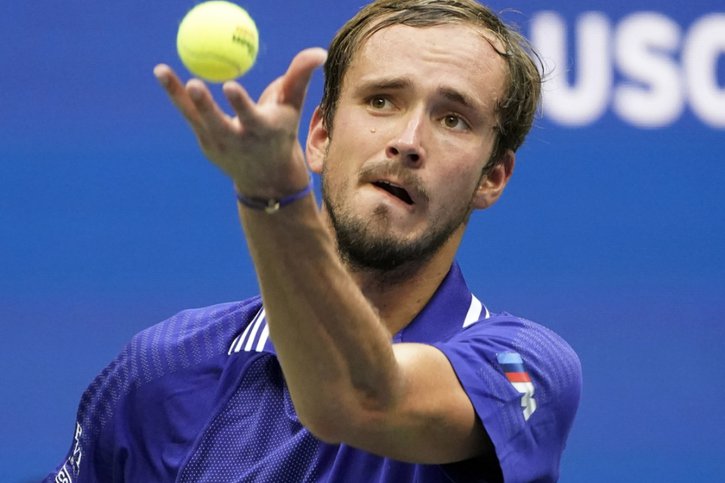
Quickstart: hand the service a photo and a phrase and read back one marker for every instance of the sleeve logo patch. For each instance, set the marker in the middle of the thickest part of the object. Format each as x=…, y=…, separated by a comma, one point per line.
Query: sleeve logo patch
x=514, y=370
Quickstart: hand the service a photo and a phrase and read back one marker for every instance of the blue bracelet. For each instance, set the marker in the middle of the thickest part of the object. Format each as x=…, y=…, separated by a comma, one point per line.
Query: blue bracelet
x=273, y=205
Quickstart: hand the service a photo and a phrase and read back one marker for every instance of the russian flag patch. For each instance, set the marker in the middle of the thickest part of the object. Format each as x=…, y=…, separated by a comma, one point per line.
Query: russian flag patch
x=513, y=368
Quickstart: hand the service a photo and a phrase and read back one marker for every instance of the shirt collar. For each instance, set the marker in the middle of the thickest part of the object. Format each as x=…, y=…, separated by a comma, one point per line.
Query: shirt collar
x=451, y=308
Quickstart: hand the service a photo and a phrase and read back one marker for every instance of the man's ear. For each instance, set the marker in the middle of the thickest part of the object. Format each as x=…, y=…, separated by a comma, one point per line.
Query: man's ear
x=317, y=141
x=493, y=183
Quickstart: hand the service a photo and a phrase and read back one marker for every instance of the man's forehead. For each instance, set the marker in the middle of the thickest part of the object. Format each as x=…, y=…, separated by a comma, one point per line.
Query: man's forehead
x=377, y=43
x=495, y=40
x=384, y=51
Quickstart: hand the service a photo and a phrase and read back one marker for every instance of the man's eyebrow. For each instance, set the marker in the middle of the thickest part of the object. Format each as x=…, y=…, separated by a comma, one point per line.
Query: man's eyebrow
x=458, y=97
x=393, y=83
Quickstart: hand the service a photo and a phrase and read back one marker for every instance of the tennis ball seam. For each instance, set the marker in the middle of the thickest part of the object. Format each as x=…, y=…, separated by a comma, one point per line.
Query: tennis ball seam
x=240, y=37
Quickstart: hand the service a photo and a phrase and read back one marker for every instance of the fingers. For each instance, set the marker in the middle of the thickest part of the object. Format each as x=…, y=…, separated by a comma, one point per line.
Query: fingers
x=272, y=93
x=297, y=78
x=240, y=101
x=213, y=127
x=177, y=93
x=209, y=112
x=198, y=107
x=288, y=89
x=195, y=102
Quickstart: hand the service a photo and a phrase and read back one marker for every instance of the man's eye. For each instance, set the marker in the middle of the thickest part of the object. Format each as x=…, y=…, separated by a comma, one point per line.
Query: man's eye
x=452, y=121
x=378, y=102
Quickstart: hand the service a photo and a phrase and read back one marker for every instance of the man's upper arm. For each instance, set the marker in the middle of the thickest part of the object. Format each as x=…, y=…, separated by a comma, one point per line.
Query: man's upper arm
x=504, y=388
x=433, y=420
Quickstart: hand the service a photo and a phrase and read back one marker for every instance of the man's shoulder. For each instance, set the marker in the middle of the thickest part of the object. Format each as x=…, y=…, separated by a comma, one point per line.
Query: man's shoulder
x=193, y=340
x=518, y=331
x=503, y=336
x=211, y=322
x=188, y=338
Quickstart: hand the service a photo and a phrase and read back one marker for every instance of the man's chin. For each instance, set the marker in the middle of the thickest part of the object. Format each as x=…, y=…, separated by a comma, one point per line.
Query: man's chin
x=385, y=239
x=390, y=252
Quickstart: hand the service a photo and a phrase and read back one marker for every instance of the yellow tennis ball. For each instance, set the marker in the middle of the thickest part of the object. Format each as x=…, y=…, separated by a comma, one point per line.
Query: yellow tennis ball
x=217, y=41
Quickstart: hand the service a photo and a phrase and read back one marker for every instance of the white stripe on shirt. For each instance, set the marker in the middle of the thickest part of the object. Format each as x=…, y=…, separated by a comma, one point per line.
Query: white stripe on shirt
x=248, y=335
x=474, y=312
x=253, y=334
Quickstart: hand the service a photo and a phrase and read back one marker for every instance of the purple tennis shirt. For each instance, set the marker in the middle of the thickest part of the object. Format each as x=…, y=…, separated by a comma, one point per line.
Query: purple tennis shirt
x=201, y=397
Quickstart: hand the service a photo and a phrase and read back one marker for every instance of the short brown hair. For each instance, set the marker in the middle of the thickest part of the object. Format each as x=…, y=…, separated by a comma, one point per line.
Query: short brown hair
x=516, y=110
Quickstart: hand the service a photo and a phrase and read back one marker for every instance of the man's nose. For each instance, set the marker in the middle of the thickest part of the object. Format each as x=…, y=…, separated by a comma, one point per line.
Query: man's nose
x=408, y=144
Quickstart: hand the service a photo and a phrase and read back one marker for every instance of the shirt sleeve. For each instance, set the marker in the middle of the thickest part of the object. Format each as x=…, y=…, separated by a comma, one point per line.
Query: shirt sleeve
x=524, y=382
x=163, y=378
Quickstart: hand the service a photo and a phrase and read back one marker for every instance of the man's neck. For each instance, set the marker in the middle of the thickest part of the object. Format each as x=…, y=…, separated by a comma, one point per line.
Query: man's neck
x=400, y=295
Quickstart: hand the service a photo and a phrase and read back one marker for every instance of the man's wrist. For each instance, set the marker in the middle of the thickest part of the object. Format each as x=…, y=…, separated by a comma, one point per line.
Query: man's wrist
x=274, y=204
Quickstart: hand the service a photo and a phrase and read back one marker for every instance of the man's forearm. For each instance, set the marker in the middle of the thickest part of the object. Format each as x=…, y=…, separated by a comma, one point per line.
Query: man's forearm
x=335, y=352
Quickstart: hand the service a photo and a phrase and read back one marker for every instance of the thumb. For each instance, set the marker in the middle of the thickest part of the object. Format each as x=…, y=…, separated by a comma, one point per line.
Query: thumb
x=297, y=77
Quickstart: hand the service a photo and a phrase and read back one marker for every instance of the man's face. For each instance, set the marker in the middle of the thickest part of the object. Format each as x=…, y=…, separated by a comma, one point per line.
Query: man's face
x=414, y=127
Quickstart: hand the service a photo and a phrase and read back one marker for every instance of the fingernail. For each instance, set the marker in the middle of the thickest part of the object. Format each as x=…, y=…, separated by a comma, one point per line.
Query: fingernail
x=163, y=80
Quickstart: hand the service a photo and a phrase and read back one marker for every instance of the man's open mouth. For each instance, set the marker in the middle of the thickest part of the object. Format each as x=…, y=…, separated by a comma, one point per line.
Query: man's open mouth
x=394, y=190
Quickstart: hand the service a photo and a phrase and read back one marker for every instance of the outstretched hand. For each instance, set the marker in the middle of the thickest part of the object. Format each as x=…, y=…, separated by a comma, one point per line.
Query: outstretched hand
x=258, y=148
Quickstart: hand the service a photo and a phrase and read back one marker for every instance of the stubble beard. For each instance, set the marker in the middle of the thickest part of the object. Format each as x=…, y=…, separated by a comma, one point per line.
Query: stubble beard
x=367, y=244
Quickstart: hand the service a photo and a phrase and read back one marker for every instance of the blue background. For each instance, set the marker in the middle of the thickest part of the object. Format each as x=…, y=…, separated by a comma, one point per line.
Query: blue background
x=111, y=220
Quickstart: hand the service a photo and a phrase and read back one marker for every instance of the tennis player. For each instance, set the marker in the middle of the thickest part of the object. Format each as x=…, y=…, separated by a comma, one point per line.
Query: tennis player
x=366, y=358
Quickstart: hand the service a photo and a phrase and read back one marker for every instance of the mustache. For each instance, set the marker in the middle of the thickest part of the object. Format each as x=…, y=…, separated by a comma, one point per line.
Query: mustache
x=387, y=170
